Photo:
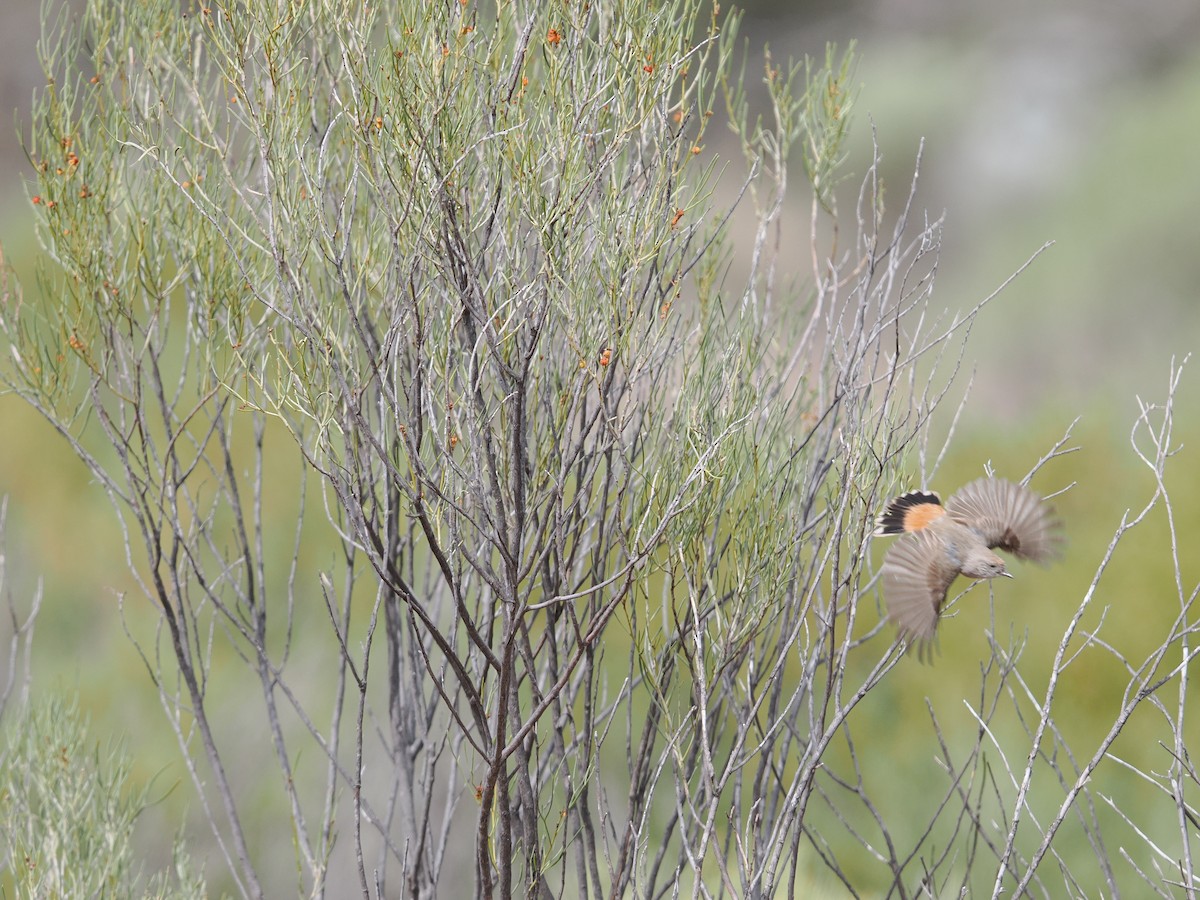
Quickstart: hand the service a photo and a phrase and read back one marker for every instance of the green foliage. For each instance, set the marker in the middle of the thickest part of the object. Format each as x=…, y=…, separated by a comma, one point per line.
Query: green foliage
x=68, y=814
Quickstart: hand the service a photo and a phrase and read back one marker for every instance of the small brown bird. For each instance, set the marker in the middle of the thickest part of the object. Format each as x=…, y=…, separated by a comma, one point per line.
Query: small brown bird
x=938, y=542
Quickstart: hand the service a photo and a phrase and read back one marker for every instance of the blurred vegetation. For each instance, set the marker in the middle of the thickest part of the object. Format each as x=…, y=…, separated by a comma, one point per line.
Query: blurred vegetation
x=68, y=806
x=1097, y=318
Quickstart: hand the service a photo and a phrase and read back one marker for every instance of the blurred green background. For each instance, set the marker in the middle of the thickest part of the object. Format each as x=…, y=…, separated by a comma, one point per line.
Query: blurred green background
x=1073, y=122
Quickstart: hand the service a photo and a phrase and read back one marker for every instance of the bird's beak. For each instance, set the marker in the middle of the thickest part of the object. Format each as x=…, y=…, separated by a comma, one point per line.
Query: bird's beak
x=1007, y=574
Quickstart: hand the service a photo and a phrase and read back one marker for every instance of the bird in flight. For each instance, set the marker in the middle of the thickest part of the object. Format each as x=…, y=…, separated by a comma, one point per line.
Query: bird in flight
x=938, y=542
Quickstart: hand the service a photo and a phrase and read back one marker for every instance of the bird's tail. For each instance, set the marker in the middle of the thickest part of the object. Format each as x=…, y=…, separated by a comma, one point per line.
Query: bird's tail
x=910, y=512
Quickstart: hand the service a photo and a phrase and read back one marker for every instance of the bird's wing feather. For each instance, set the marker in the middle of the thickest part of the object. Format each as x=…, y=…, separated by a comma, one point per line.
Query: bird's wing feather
x=1009, y=517
x=917, y=572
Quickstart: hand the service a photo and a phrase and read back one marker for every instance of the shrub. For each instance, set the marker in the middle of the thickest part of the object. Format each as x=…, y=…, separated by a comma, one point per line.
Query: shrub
x=593, y=519
x=69, y=811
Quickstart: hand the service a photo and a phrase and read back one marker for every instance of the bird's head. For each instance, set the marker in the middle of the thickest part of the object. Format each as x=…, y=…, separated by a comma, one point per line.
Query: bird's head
x=985, y=565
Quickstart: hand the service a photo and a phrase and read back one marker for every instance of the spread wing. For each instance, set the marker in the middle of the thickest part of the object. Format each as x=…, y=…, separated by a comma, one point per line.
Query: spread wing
x=917, y=572
x=1009, y=517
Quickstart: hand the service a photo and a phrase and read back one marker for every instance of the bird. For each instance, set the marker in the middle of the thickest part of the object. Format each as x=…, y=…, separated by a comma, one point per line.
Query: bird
x=937, y=543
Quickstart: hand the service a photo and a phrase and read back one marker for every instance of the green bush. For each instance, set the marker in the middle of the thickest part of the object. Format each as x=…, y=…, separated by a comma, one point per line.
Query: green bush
x=68, y=812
